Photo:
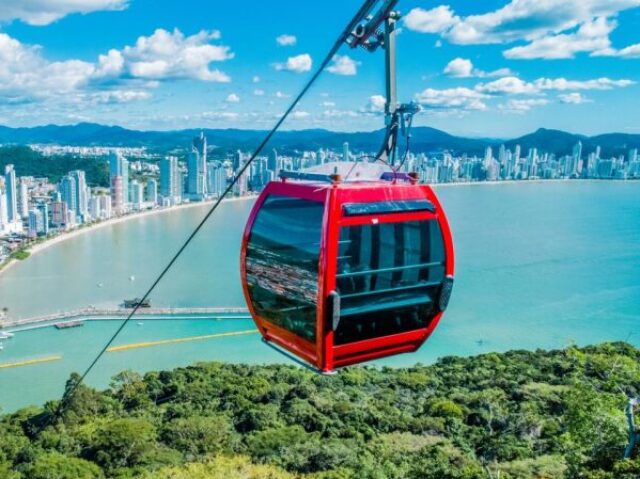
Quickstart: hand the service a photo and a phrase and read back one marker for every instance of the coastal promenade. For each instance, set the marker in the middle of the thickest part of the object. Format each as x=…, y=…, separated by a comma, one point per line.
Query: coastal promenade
x=92, y=313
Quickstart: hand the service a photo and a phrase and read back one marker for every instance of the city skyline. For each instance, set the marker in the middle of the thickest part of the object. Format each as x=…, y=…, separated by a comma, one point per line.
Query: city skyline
x=499, y=69
x=32, y=207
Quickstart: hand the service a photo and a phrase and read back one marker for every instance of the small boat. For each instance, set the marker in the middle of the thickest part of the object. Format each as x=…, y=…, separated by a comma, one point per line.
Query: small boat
x=132, y=303
x=69, y=324
x=6, y=335
x=99, y=285
x=132, y=278
x=140, y=323
x=1, y=346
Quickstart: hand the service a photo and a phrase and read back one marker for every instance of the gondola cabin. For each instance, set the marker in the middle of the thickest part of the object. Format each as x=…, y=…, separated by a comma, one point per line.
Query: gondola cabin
x=339, y=270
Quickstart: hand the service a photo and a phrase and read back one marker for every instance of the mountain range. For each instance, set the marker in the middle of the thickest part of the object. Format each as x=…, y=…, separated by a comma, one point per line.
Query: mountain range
x=222, y=141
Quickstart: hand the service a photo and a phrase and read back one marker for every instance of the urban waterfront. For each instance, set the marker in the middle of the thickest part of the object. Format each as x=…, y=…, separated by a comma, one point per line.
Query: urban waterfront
x=539, y=265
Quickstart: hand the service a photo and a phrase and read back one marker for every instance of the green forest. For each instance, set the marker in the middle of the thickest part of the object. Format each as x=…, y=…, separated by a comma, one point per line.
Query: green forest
x=28, y=162
x=521, y=414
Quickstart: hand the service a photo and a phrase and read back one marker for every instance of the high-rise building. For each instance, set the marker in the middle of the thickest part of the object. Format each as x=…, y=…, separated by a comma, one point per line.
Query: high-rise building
x=4, y=219
x=11, y=191
x=633, y=155
x=170, y=181
x=119, y=166
x=59, y=214
x=44, y=210
x=68, y=193
x=345, y=151
x=81, y=200
x=238, y=159
x=137, y=195
x=216, y=178
x=272, y=162
x=117, y=195
x=488, y=156
x=23, y=199
x=502, y=156
x=152, y=192
x=34, y=222
x=197, y=168
x=105, y=206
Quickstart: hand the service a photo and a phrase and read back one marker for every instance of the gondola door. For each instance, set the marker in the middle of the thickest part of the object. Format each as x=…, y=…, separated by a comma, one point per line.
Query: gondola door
x=383, y=290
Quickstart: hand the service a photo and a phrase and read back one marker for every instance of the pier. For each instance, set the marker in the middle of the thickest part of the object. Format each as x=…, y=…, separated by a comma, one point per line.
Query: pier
x=92, y=313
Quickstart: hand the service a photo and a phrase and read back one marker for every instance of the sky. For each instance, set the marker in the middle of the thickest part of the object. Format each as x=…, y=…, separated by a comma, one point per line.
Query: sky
x=495, y=68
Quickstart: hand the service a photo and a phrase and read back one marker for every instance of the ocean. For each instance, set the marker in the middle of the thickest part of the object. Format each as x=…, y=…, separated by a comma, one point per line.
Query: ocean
x=538, y=265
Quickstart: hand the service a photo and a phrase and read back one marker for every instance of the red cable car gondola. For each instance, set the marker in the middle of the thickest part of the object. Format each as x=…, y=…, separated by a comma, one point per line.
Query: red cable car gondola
x=341, y=272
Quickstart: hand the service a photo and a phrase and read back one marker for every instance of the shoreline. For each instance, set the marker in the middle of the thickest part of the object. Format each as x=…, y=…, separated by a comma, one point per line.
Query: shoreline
x=67, y=235
x=537, y=180
x=37, y=248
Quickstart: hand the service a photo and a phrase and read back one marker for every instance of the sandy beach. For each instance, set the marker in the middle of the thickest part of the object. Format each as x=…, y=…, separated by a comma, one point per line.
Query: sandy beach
x=110, y=222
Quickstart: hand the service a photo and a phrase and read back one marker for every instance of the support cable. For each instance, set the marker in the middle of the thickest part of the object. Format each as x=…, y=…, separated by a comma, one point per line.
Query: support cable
x=362, y=12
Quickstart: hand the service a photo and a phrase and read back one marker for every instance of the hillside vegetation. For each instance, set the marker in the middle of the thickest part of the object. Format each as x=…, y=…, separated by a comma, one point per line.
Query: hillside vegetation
x=510, y=416
x=28, y=162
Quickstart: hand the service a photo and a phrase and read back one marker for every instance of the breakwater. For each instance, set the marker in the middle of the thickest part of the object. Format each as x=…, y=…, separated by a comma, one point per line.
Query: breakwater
x=92, y=313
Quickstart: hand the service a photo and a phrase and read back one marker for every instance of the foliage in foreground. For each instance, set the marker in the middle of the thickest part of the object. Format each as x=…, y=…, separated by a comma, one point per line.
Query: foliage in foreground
x=514, y=416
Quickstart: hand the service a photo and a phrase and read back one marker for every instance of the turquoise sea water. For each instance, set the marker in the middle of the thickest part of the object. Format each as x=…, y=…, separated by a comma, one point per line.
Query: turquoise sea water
x=538, y=265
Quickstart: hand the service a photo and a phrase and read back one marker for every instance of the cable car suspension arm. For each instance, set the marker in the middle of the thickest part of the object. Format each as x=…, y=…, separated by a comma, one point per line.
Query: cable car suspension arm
x=369, y=35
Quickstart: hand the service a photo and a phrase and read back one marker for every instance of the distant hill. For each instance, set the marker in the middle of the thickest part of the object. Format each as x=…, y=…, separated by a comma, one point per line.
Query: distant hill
x=424, y=139
x=562, y=143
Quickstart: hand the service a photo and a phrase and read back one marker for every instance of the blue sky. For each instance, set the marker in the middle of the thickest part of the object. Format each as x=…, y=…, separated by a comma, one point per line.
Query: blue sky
x=491, y=68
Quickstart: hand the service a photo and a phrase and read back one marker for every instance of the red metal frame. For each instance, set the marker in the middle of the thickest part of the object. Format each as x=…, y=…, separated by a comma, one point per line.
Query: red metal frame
x=323, y=354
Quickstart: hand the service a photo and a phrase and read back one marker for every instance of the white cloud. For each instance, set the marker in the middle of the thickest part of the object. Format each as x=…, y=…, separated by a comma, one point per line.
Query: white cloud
x=344, y=65
x=333, y=113
x=26, y=73
x=452, y=98
x=328, y=104
x=219, y=115
x=299, y=115
x=118, y=76
x=459, y=67
x=174, y=55
x=258, y=92
x=286, y=40
x=632, y=51
x=574, y=98
x=590, y=37
x=437, y=20
x=463, y=68
x=508, y=85
x=233, y=98
x=118, y=96
x=279, y=94
x=595, y=84
x=298, y=64
x=521, y=106
x=376, y=103
x=44, y=12
x=110, y=65
x=256, y=79
x=516, y=86
x=551, y=28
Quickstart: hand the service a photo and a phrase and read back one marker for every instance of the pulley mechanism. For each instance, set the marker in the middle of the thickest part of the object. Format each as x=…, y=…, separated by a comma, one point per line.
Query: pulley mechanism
x=376, y=29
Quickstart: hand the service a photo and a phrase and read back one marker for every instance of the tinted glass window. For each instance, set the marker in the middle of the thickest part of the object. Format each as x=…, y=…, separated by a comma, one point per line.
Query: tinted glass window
x=282, y=263
x=388, y=277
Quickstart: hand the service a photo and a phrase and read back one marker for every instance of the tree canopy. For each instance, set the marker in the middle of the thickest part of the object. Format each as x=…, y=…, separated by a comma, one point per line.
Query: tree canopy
x=518, y=415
